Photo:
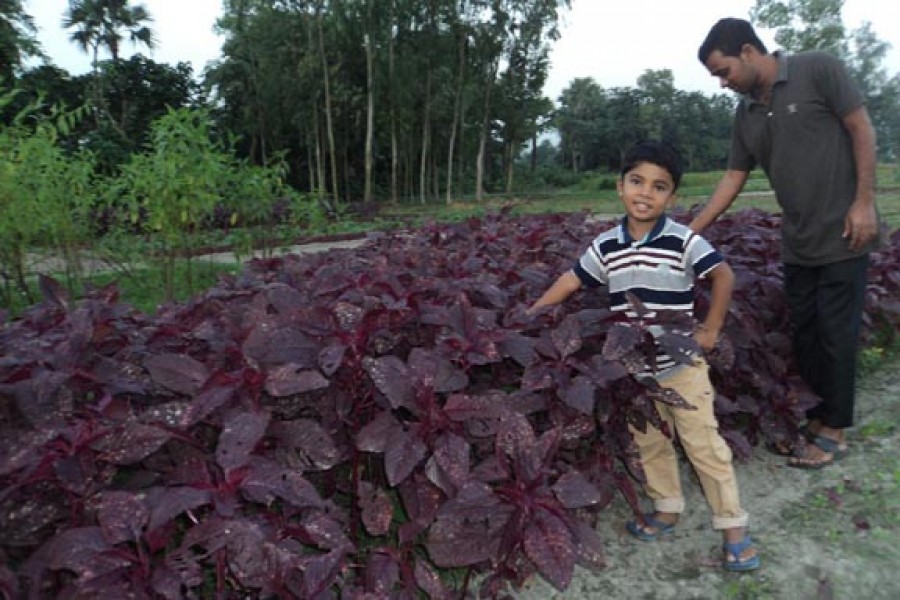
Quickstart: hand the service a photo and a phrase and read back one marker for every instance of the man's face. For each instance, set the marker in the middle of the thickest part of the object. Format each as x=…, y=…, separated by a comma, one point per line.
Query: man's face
x=736, y=73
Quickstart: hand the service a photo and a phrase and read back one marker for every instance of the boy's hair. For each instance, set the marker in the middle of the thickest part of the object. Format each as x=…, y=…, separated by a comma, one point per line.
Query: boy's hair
x=661, y=154
x=728, y=36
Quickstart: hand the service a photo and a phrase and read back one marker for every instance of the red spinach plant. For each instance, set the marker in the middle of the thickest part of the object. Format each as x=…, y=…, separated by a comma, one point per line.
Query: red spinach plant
x=383, y=422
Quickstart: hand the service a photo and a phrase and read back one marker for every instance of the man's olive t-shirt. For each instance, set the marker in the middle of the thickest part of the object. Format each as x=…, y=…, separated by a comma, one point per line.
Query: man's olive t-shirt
x=800, y=142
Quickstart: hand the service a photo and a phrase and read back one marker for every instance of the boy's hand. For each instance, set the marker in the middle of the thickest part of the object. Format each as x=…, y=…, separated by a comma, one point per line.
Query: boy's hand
x=706, y=337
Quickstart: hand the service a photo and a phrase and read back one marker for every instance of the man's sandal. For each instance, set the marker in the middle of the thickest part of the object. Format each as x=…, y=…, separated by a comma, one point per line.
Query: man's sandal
x=826, y=445
x=639, y=530
x=807, y=432
x=786, y=448
x=781, y=448
x=733, y=561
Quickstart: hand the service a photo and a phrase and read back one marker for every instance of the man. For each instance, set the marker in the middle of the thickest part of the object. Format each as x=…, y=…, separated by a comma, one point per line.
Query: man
x=804, y=122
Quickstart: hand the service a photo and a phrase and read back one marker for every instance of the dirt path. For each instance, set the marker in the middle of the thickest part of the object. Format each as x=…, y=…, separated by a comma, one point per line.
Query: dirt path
x=829, y=534
x=40, y=263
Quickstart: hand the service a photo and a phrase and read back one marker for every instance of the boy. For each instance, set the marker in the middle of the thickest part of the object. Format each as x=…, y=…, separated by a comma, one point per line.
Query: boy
x=658, y=259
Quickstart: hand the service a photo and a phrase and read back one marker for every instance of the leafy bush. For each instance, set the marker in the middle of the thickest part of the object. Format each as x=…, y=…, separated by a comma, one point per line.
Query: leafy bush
x=157, y=210
x=359, y=422
x=593, y=181
x=45, y=198
x=186, y=182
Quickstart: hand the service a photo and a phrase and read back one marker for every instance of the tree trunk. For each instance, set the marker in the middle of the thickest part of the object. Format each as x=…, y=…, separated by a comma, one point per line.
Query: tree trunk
x=534, y=137
x=457, y=109
x=485, y=132
x=395, y=158
x=409, y=186
x=335, y=191
x=508, y=159
x=461, y=163
x=261, y=122
x=320, y=163
x=370, y=111
x=311, y=162
x=345, y=163
x=435, y=178
x=426, y=140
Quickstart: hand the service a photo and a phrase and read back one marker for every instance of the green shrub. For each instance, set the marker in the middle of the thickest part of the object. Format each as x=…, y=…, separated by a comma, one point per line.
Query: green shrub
x=45, y=199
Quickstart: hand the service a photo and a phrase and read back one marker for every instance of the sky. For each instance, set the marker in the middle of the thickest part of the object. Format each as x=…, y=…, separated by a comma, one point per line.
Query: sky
x=184, y=32
x=611, y=41
x=615, y=41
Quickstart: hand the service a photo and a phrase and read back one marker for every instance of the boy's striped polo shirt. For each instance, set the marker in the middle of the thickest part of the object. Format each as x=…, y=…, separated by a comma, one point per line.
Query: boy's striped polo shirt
x=659, y=269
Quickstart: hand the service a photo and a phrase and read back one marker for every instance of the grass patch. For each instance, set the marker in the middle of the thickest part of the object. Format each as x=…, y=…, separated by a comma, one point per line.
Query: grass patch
x=143, y=289
x=882, y=349
x=596, y=193
x=754, y=587
x=861, y=500
x=878, y=428
x=852, y=507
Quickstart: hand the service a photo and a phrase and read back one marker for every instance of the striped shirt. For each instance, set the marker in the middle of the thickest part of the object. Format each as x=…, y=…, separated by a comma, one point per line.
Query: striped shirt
x=660, y=270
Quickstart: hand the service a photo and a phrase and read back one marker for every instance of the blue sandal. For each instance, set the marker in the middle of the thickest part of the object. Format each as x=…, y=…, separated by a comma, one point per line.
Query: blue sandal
x=640, y=531
x=733, y=551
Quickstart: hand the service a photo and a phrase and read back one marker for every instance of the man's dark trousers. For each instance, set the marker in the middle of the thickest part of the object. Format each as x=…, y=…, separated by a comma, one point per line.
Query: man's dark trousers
x=826, y=305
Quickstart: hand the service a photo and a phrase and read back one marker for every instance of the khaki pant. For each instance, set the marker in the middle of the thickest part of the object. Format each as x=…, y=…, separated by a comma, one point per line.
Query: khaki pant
x=710, y=455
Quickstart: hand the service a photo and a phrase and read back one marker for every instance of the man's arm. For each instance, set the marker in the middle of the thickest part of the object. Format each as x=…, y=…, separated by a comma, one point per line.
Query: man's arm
x=722, y=278
x=565, y=285
x=861, y=222
x=726, y=191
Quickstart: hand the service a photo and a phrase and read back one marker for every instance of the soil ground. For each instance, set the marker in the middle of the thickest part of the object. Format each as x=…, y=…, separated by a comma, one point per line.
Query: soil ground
x=826, y=534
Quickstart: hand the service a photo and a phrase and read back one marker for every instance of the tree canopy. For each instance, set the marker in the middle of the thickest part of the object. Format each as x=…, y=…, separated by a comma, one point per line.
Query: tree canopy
x=394, y=99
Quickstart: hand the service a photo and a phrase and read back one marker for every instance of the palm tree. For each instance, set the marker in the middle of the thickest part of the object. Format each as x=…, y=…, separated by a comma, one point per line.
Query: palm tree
x=103, y=23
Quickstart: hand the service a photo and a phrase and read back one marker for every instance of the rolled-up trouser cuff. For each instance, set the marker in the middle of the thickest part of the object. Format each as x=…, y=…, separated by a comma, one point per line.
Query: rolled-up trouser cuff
x=730, y=522
x=669, y=505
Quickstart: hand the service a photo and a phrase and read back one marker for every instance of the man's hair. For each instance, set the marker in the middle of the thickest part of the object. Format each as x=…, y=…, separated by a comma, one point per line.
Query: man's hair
x=728, y=36
x=661, y=154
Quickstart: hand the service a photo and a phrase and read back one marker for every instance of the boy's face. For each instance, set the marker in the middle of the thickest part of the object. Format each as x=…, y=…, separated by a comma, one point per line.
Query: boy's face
x=647, y=192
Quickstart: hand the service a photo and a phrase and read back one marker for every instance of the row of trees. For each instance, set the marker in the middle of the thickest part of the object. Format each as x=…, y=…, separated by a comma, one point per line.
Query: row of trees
x=385, y=98
x=595, y=124
x=394, y=99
